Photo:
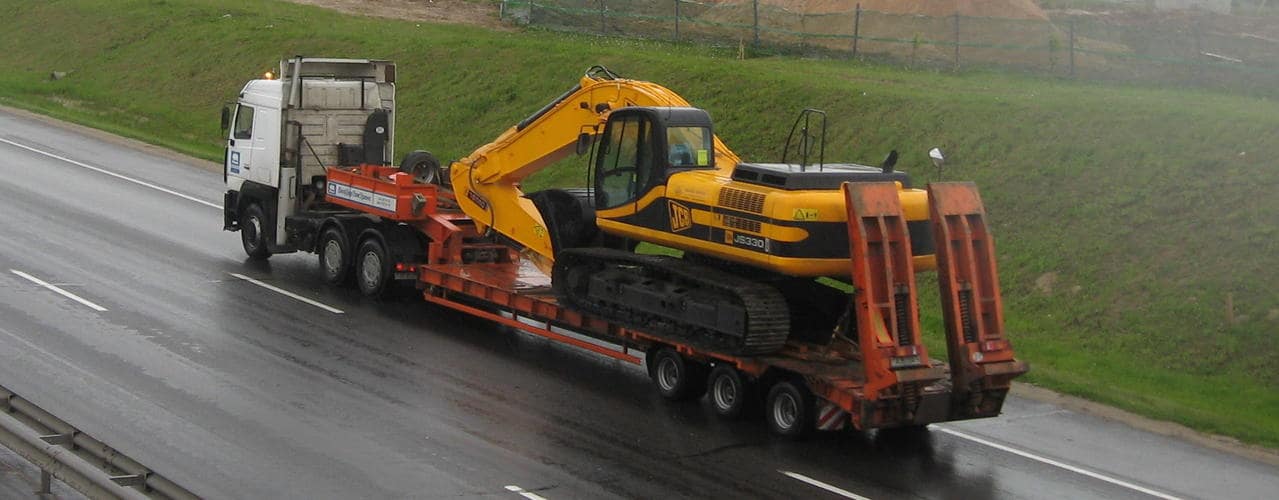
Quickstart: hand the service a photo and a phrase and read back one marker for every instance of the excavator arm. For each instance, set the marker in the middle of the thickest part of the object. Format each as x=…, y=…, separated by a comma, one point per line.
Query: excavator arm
x=487, y=182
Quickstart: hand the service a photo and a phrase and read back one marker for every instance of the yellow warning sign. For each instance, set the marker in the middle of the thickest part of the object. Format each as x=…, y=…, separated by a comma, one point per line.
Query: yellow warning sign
x=804, y=214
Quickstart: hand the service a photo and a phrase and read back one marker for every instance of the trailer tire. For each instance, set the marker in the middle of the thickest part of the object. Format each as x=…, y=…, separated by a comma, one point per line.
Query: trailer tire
x=675, y=377
x=372, y=269
x=728, y=391
x=789, y=409
x=335, y=257
x=252, y=234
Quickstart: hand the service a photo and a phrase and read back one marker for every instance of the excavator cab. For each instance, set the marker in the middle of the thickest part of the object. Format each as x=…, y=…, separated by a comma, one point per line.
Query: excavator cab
x=641, y=146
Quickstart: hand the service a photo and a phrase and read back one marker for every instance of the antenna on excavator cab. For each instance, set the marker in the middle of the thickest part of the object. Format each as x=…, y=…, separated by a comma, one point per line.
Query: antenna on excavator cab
x=807, y=140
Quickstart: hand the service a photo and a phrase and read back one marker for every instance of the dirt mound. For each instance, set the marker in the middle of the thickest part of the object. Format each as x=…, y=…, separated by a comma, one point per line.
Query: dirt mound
x=1008, y=9
x=439, y=11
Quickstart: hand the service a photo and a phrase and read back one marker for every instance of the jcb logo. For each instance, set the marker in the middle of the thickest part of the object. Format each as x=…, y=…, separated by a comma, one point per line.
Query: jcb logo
x=681, y=217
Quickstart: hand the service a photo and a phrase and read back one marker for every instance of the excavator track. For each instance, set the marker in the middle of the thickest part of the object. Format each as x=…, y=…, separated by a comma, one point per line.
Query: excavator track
x=669, y=297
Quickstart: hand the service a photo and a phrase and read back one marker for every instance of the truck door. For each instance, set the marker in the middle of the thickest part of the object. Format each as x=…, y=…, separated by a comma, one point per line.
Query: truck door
x=239, y=162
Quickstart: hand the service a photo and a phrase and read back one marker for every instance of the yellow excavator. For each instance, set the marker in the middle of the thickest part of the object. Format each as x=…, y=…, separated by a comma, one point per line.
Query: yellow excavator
x=754, y=236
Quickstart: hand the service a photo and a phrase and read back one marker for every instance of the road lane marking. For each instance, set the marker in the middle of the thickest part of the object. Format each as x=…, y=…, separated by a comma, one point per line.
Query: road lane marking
x=60, y=291
x=287, y=293
x=113, y=174
x=1054, y=463
x=828, y=487
x=524, y=493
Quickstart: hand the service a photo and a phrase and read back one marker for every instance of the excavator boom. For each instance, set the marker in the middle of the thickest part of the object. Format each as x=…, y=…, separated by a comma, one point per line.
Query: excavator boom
x=487, y=181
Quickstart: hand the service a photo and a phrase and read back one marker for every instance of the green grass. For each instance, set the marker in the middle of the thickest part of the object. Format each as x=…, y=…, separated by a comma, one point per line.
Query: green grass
x=1149, y=206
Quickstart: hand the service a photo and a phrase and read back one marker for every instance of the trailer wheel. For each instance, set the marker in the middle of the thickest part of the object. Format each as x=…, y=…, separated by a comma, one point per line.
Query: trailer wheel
x=728, y=391
x=676, y=378
x=372, y=269
x=252, y=234
x=789, y=409
x=335, y=259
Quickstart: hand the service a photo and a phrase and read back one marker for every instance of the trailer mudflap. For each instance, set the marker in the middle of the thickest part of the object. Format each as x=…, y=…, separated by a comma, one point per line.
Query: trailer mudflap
x=896, y=363
x=981, y=359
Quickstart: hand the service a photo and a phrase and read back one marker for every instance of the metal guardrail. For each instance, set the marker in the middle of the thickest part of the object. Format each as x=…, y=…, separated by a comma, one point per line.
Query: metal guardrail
x=85, y=464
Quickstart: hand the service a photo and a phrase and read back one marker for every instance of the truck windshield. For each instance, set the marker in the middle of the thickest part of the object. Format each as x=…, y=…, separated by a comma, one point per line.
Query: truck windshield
x=689, y=146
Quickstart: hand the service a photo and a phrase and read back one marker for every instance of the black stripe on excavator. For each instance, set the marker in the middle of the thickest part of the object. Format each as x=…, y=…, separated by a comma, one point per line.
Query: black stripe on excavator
x=826, y=240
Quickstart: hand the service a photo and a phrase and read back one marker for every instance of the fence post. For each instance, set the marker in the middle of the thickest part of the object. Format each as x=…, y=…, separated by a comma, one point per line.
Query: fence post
x=1199, y=51
x=755, y=10
x=957, y=41
x=501, y=11
x=1072, y=48
x=603, y=25
x=677, y=20
x=857, y=27
x=532, y=9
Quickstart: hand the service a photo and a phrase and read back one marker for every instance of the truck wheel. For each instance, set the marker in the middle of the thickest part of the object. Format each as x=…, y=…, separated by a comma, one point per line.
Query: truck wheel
x=423, y=166
x=676, y=378
x=335, y=260
x=728, y=391
x=252, y=234
x=788, y=409
x=372, y=270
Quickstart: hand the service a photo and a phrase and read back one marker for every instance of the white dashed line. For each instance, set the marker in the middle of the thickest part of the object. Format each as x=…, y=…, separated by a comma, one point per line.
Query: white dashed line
x=287, y=293
x=524, y=493
x=60, y=291
x=1054, y=463
x=113, y=174
x=828, y=487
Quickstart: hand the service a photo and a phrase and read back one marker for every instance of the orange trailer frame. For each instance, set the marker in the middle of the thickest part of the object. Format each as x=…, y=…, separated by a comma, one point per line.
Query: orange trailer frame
x=881, y=376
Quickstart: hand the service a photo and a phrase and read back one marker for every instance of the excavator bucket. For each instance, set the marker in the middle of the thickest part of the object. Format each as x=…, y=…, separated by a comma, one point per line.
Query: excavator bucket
x=896, y=364
x=981, y=358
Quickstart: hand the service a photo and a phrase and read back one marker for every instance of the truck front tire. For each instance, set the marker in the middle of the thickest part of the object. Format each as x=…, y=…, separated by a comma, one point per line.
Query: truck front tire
x=252, y=232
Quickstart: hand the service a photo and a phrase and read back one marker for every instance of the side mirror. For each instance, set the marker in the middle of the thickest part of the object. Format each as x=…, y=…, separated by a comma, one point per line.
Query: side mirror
x=583, y=143
x=937, y=157
x=226, y=118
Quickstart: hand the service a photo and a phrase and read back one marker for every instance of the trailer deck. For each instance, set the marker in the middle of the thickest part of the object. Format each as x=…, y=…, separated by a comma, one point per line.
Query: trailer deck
x=876, y=373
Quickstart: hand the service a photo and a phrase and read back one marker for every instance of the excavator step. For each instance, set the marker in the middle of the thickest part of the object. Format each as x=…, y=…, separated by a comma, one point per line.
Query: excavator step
x=981, y=358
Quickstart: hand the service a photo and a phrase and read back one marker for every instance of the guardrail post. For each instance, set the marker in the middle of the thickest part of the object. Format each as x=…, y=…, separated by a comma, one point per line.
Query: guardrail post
x=857, y=27
x=46, y=483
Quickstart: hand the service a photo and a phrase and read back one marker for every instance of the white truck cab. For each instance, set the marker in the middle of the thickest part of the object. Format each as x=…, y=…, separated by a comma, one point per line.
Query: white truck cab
x=283, y=133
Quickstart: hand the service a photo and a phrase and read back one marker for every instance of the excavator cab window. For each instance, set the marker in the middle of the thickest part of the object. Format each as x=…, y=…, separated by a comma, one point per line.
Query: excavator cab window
x=625, y=166
x=688, y=147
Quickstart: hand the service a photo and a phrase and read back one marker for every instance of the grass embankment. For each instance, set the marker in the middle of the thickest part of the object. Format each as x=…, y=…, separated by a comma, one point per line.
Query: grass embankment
x=1125, y=216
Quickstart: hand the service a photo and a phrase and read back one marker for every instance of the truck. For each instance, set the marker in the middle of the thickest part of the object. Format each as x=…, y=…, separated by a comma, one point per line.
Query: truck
x=787, y=287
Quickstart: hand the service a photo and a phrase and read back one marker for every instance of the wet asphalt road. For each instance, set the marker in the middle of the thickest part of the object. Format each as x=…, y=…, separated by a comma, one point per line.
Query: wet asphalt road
x=236, y=391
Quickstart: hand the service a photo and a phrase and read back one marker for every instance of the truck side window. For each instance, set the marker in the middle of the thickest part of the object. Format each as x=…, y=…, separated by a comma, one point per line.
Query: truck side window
x=243, y=123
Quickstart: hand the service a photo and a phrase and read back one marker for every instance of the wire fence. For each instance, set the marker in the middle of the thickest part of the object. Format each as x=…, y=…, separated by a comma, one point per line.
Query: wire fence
x=1191, y=49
